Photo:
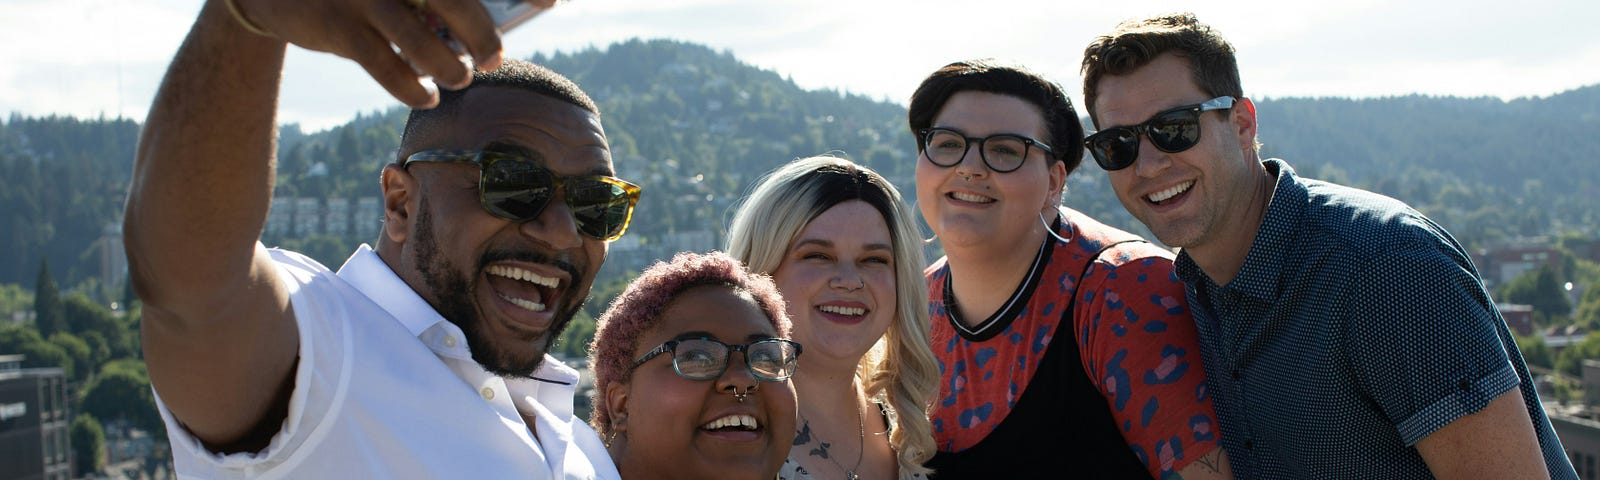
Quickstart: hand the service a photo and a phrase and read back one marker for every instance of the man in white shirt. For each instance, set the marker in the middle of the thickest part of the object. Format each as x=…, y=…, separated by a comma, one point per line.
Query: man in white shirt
x=422, y=358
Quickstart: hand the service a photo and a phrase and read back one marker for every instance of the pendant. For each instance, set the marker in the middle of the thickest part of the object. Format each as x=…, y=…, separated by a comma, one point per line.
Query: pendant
x=851, y=475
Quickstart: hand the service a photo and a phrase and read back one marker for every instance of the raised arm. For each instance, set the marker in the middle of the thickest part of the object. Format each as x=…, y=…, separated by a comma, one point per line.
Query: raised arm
x=219, y=337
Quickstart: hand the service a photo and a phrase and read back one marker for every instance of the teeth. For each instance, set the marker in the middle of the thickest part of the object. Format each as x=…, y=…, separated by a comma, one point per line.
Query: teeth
x=852, y=311
x=537, y=307
x=967, y=197
x=743, y=422
x=515, y=273
x=1161, y=196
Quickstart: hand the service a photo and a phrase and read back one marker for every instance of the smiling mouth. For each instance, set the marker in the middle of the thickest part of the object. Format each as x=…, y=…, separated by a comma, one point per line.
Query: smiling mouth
x=968, y=197
x=1167, y=194
x=732, y=423
x=848, y=311
x=526, y=290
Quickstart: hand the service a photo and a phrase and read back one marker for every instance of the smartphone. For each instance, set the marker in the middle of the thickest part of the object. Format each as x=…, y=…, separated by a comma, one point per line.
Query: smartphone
x=507, y=14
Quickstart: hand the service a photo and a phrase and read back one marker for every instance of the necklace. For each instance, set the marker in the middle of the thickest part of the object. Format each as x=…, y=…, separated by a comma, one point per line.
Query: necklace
x=861, y=437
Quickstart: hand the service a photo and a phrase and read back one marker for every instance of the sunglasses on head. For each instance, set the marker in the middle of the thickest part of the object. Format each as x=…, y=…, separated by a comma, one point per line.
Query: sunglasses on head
x=515, y=188
x=770, y=360
x=1170, y=131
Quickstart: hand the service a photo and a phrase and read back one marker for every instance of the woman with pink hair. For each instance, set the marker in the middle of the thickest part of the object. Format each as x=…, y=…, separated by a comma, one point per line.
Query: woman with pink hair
x=670, y=399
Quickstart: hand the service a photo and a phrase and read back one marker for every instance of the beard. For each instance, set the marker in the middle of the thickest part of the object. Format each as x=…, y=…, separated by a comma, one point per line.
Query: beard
x=455, y=300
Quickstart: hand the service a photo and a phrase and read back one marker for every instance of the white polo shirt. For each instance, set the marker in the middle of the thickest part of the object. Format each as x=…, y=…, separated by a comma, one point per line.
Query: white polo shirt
x=386, y=388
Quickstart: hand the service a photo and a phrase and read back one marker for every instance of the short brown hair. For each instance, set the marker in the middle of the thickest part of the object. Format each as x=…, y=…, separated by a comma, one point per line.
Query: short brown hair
x=1134, y=43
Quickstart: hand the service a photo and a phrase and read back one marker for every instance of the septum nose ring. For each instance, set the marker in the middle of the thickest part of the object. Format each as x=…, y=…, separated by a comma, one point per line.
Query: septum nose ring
x=739, y=395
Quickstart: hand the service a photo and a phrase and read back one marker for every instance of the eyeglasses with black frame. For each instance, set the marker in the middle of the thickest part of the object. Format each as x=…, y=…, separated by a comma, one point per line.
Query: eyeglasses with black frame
x=1002, y=152
x=770, y=360
x=1171, y=131
x=516, y=188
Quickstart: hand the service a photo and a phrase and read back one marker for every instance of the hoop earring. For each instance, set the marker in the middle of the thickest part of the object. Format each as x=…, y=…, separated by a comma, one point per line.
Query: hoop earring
x=916, y=206
x=1052, y=231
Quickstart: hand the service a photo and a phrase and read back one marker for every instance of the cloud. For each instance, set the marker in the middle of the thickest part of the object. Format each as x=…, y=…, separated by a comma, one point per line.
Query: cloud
x=92, y=57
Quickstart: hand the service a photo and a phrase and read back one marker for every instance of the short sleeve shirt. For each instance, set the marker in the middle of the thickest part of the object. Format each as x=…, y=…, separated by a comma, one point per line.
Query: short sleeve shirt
x=1355, y=328
x=1134, y=338
x=386, y=388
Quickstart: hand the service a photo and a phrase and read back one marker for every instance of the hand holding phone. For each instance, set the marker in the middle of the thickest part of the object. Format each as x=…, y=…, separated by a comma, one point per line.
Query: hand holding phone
x=507, y=14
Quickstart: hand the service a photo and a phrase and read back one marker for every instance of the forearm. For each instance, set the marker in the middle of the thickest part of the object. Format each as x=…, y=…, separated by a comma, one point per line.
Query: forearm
x=203, y=176
x=1211, y=465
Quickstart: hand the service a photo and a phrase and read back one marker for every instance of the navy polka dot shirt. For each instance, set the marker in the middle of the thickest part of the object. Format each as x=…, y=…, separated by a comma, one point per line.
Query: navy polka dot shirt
x=1355, y=328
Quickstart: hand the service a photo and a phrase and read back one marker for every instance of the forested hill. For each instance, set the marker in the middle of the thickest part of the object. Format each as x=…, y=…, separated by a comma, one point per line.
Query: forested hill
x=695, y=127
x=1482, y=167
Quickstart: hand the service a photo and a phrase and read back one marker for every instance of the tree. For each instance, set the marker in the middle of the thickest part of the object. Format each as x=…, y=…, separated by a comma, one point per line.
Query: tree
x=13, y=299
x=88, y=444
x=76, y=349
x=1540, y=289
x=1571, y=359
x=1589, y=308
x=47, y=315
x=1535, y=352
x=122, y=391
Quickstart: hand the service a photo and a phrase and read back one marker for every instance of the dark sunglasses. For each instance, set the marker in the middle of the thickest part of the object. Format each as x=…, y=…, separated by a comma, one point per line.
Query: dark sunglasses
x=1171, y=131
x=515, y=188
x=1002, y=153
x=770, y=360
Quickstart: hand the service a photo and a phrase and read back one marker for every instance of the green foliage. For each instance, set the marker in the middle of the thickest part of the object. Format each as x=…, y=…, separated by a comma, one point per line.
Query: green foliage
x=1535, y=352
x=14, y=299
x=1541, y=289
x=574, y=341
x=85, y=316
x=1570, y=361
x=76, y=349
x=1588, y=313
x=45, y=355
x=327, y=249
x=88, y=444
x=122, y=392
x=47, y=314
x=65, y=183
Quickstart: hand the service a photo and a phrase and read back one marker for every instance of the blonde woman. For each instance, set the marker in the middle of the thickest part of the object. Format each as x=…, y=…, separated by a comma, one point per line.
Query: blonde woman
x=840, y=243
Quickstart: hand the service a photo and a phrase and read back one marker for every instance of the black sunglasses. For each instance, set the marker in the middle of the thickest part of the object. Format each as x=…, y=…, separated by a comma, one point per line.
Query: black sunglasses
x=513, y=187
x=770, y=360
x=1002, y=153
x=1171, y=131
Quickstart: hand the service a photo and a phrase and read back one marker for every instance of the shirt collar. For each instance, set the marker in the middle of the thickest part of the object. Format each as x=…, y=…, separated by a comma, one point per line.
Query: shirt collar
x=1275, y=238
x=368, y=273
x=372, y=277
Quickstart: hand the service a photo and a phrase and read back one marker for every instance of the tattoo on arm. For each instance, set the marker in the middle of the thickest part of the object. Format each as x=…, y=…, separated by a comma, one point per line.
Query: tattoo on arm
x=1211, y=461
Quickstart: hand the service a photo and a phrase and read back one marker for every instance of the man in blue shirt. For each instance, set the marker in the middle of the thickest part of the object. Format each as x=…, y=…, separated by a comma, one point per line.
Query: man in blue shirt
x=1347, y=335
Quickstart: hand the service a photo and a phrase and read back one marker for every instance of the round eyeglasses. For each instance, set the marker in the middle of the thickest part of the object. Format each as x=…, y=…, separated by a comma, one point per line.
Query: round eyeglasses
x=771, y=360
x=1003, y=152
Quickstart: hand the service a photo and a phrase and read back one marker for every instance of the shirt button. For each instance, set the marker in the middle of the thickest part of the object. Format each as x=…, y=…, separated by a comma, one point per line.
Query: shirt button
x=450, y=341
x=488, y=393
x=1236, y=374
x=1249, y=444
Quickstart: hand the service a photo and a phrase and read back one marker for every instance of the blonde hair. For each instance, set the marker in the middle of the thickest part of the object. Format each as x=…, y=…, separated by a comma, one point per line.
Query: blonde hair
x=900, y=370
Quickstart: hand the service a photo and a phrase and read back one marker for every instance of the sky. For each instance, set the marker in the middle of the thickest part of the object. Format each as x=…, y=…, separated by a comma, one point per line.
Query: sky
x=105, y=58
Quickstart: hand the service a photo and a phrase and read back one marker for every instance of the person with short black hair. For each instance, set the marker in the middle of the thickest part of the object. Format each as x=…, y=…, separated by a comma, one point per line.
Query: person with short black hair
x=422, y=358
x=1064, y=345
